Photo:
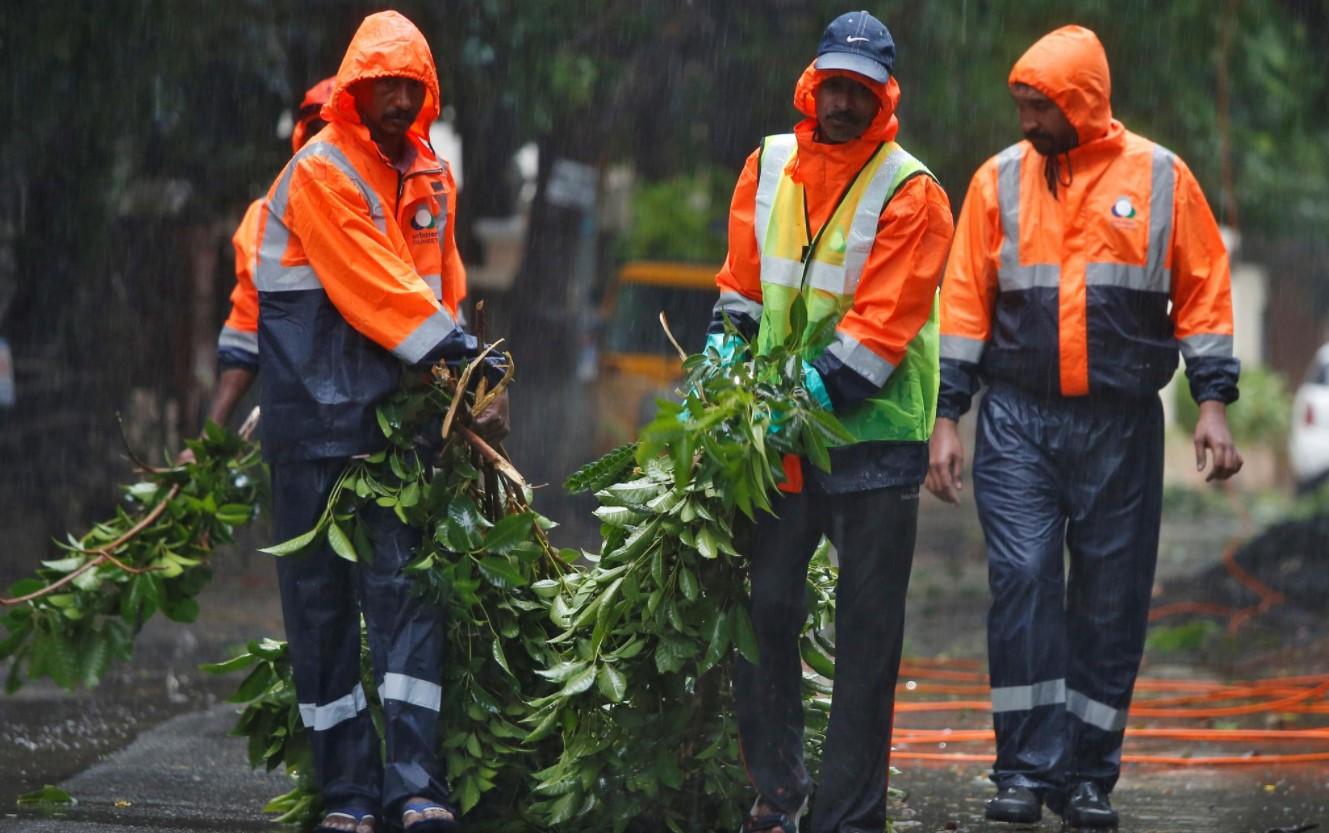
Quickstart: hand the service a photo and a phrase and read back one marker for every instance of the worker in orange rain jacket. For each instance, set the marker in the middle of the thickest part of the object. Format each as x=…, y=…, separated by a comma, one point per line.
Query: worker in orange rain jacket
x=1084, y=259
x=356, y=240
x=237, y=343
x=839, y=213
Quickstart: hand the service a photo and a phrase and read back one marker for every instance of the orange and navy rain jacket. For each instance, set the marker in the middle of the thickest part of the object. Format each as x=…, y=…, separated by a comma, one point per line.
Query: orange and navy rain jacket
x=1091, y=289
x=237, y=344
x=357, y=268
x=894, y=297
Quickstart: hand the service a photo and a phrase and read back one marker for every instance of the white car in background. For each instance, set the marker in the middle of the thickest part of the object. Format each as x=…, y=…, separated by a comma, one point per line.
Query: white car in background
x=1308, y=444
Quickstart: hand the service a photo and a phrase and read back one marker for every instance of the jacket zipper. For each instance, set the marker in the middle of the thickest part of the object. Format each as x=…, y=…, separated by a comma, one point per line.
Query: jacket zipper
x=401, y=184
x=807, y=223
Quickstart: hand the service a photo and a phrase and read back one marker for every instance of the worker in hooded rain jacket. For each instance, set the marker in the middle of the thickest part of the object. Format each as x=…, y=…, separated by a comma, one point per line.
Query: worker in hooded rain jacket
x=356, y=249
x=237, y=343
x=1085, y=258
x=838, y=212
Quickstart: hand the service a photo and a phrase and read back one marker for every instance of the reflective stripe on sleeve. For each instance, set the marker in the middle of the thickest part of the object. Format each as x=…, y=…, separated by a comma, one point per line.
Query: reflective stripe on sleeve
x=425, y=337
x=860, y=359
x=411, y=690
x=962, y=349
x=1021, y=698
x=269, y=273
x=1097, y=714
x=736, y=303
x=435, y=283
x=322, y=718
x=229, y=337
x=1206, y=345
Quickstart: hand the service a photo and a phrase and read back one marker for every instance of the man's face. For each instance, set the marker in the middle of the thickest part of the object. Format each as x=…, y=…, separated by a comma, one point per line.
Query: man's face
x=845, y=108
x=1042, y=121
x=388, y=106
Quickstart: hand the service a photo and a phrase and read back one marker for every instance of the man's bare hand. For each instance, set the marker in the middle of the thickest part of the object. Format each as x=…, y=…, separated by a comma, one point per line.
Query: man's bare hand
x=945, y=461
x=492, y=423
x=1213, y=436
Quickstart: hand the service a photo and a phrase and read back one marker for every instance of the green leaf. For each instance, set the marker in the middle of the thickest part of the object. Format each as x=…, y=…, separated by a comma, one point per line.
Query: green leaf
x=383, y=424
x=741, y=633
x=227, y=666
x=612, y=684
x=562, y=672
x=816, y=659
x=340, y=543
x=717, y=642
x=295, y=544
x=465, y=526
x=509, y=532
x=496, y=648
x=181, y=610
x=410, y=494
x=254, y=685
x=579, y=682
x=46, y=795
x=545, y=727
x=594, y=476
x=687, y=583
x=500, y=573
x=66, y=565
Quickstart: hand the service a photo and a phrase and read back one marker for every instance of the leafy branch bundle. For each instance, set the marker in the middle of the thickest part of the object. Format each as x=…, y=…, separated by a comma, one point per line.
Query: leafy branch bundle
x=649, y=633
x=81, y=611
x=484, y=557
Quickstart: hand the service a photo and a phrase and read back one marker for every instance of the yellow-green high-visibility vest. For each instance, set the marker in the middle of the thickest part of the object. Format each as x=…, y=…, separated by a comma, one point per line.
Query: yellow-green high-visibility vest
x=826, y=269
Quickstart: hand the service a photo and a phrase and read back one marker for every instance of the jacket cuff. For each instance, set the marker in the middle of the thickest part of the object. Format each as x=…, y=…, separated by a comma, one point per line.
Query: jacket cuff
x=959, y=381
x=230, y=358
x=1213, y=379
x=843, y=385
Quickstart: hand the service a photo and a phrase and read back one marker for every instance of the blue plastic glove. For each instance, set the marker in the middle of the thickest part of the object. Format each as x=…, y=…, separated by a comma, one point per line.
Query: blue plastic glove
x=816, y=387
x=727, y=345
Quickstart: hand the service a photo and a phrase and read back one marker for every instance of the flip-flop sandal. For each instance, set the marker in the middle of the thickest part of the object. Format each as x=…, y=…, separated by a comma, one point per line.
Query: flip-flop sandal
x=350, y=815
x=775, y=822
x=426, y=824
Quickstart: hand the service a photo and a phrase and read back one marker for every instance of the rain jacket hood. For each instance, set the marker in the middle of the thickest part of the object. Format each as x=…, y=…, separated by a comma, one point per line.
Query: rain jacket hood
x=386, y=45
x=820, y=162
x=1069, y=66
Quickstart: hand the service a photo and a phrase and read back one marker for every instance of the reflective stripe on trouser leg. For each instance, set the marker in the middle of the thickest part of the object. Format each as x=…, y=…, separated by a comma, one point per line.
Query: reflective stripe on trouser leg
x=323, y=630
x=1116, y=509
x=406, y=644
x=873, y=533
x=768, y=696
x=1018, y=496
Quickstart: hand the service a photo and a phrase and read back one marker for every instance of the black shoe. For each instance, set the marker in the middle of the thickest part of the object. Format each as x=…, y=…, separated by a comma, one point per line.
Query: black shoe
x=1017, y=804
x=1088, y=806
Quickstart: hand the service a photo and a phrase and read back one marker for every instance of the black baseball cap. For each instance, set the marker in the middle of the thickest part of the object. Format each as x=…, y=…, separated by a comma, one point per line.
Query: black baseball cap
x=860, y=43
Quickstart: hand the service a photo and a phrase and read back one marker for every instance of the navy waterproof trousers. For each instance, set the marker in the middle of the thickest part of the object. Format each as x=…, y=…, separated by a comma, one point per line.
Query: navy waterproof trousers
x=1064, y=647
x=873, y=533
x=323, y=597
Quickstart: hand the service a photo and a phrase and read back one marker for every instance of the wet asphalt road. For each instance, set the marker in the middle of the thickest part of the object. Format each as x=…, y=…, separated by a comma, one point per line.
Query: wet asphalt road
x=148, y=750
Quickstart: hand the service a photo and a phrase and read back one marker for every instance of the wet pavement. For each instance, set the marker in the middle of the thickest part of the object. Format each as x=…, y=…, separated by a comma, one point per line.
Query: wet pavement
x=148, y=749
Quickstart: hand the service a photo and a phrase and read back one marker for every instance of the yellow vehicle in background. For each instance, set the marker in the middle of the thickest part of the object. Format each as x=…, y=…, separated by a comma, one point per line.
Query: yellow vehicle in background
x=637, y=364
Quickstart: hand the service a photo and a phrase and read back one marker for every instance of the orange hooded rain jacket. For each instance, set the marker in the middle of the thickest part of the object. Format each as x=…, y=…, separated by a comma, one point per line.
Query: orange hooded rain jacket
x=237, y=344
x=357, y=268
x=894, y=296
x=1093, y=288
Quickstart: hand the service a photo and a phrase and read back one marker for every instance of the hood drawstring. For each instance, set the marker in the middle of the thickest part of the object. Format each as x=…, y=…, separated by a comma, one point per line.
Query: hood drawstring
x=1052, y=172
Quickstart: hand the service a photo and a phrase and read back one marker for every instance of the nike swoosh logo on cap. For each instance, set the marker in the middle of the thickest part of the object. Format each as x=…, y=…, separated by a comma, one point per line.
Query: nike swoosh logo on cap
x=856, y=40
